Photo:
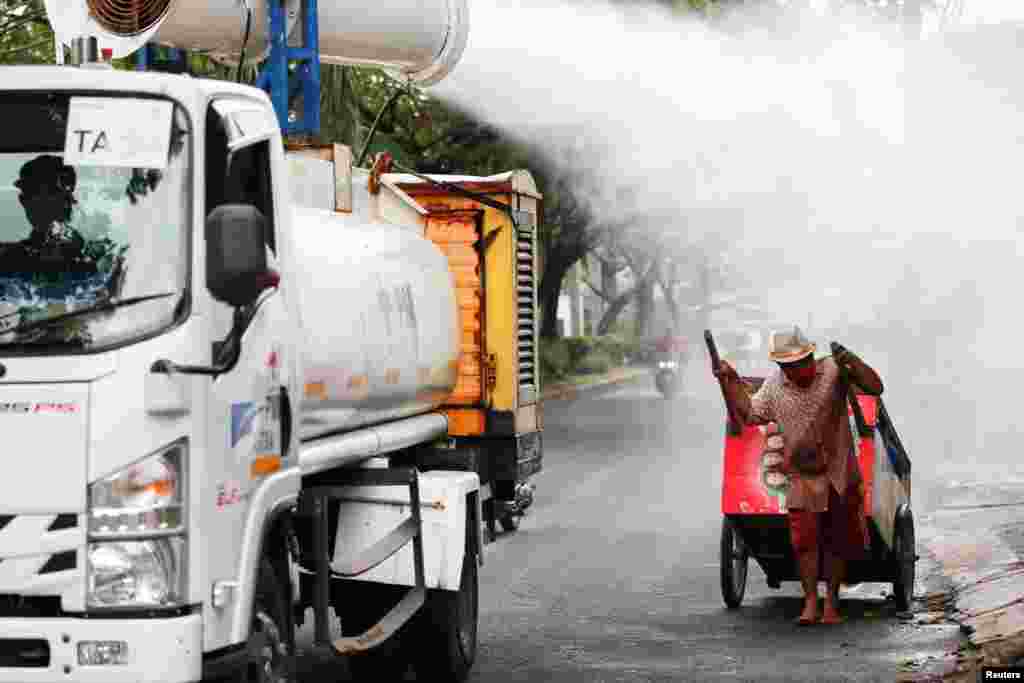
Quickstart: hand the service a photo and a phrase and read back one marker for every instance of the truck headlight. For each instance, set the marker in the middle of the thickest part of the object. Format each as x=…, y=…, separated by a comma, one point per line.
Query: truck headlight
x=137, y=573
x=146, y=496
x=136, y=552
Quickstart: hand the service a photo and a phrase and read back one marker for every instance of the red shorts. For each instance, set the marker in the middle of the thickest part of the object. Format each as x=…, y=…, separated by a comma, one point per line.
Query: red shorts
x=840, y=531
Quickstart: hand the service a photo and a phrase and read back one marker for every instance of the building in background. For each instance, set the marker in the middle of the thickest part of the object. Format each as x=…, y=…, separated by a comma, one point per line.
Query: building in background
x=580, y=309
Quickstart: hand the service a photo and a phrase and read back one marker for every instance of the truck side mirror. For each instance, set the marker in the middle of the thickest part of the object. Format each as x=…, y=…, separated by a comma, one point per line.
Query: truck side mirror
x=236, y=257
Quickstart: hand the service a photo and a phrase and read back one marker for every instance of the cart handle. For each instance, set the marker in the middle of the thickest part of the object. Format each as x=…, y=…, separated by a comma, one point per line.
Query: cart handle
x=735, y=428
x=858, y=414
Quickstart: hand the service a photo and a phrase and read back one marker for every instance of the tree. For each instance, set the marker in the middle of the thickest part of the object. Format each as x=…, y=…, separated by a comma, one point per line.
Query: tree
x=643, y=271
x=25, y=33
x=566, y=236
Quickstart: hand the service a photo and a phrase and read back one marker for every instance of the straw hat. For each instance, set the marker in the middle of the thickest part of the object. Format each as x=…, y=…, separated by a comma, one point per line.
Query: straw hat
x=789, y=346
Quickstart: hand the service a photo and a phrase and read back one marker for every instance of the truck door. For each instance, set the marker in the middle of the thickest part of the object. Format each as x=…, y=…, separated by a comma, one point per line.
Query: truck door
x=243, y=428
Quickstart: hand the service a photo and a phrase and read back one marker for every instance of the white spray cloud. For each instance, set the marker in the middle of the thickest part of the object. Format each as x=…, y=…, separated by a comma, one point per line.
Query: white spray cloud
x=828, y=151
x=808, y=124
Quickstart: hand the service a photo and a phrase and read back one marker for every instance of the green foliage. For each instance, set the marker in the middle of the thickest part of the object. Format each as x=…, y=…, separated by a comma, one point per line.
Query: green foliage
x=614, y=347
x=595, y=362
x=417, y=129
x=579, y=347
x=567, y=356
x=555, y=362
x=617, y=348
x=25, y=34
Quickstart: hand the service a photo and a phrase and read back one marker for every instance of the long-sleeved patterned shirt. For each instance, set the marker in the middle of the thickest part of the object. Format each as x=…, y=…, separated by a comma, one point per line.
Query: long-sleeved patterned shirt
x=800, y=412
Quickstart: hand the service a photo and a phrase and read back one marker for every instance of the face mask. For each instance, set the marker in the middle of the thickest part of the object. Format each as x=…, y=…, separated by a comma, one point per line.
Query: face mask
x=802, y=376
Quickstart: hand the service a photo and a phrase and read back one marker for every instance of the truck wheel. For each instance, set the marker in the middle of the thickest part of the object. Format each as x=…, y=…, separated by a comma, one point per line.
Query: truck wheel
x=904, y=555
x=361, y=605
x=490, y=520
x=447, y=628
x=509, y=523
x=271, y=643
x=732, y=565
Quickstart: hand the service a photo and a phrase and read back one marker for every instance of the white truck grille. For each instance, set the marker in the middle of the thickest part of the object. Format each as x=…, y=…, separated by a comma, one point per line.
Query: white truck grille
x=39, y=554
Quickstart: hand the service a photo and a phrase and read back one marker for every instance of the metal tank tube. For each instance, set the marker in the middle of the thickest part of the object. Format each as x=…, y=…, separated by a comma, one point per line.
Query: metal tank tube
x=421, y=40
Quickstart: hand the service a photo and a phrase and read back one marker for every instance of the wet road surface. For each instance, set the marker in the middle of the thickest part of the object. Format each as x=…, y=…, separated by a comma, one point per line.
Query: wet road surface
x=613, y=576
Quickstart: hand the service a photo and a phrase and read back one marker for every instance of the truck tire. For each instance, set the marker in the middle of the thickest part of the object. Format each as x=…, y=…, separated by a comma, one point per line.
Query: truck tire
x=509, y=523
x=446, y=628
x=271, y=642
x=360, y=605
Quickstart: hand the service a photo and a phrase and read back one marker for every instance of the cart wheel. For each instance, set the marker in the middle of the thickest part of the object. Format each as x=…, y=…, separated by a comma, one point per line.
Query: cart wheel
x=904, y=554
x=733, y=558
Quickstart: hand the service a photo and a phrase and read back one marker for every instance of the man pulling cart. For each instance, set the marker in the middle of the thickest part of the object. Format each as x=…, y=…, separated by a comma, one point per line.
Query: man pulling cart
x=791, y=438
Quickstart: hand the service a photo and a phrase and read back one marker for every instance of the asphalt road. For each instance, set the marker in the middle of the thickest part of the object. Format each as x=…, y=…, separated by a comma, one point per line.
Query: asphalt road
x=613, y=576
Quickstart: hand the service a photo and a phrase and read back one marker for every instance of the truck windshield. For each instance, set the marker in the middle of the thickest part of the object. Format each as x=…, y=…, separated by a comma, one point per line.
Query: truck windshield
x=94, y=210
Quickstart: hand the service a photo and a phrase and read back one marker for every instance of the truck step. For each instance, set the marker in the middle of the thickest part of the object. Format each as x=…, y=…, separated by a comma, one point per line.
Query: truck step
x=386, y=627
x=379, y=551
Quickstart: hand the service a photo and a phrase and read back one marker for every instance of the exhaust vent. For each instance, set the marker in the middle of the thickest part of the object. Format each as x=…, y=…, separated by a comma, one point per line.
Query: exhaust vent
x=128, y=17
x=526, y=295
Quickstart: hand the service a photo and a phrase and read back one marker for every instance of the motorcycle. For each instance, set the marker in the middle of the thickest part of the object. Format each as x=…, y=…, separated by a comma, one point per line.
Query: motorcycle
x=668, y=377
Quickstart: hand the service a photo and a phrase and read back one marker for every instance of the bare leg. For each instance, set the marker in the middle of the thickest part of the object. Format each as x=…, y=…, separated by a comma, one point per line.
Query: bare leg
x=808, y=564
x=836, y=569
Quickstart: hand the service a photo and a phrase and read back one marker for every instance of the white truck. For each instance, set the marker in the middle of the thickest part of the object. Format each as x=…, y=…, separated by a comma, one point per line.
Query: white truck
x=240, y=378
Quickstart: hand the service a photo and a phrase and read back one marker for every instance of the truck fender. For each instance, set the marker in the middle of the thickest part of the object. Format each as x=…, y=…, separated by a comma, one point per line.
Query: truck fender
x=275, y=498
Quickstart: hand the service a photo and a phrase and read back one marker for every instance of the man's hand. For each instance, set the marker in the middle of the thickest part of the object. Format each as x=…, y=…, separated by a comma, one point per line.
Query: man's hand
x=841, y=355
x=857, y=370
x=727, y=372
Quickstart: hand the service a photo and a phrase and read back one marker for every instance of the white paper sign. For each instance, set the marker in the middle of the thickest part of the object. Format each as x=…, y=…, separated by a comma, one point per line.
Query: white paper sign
x=116, y=131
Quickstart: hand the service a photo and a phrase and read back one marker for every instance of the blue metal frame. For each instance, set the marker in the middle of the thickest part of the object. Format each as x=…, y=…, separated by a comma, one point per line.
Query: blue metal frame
x=282, y=80
x=287, y=73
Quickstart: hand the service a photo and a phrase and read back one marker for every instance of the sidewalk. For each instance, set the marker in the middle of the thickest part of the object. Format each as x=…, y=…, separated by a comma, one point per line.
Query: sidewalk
x=971, y=572
x=577, y=384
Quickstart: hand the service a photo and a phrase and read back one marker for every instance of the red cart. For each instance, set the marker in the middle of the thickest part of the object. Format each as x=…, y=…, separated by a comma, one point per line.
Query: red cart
x=754, y=523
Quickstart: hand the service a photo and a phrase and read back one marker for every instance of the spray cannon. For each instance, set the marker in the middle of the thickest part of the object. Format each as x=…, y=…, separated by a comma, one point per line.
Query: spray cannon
x=421, y=40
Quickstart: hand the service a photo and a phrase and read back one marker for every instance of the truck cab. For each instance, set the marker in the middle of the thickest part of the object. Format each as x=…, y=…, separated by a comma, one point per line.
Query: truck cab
x=227, y=406
x=126, y=470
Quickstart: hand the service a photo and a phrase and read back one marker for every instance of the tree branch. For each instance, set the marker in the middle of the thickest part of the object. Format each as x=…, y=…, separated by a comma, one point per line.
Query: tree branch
x=599, y=292
x=21, y=21
x=26, y=48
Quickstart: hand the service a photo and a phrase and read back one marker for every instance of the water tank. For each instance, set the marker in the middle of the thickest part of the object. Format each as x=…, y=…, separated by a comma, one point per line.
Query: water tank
x=420, y=39
x=379, y=326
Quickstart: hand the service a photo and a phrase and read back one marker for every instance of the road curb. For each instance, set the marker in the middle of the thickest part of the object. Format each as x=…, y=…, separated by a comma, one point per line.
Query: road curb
x=564, y=391
x=984, y=574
